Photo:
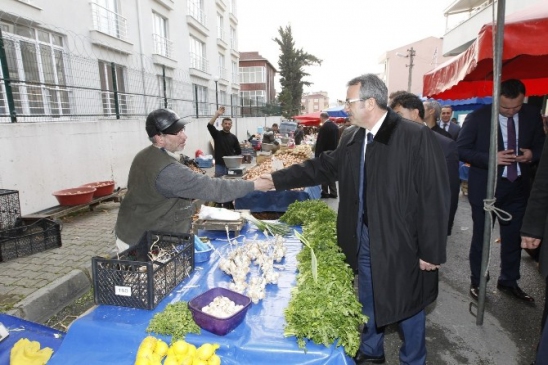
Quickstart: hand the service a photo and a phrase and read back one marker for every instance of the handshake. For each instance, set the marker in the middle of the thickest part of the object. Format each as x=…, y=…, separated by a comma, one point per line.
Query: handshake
x=264, y=183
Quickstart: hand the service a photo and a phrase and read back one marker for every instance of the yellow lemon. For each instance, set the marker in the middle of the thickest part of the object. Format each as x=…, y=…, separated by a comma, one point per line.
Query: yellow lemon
x=198, y=361
x=142, y=361
x=148, y=342
x=161, y=348
x=170, y=352
x=145, y=353
x=171, y=360
x=205, y=351
x=191, y=350
x=214, y=360
x=186, y=360
x=180, y=347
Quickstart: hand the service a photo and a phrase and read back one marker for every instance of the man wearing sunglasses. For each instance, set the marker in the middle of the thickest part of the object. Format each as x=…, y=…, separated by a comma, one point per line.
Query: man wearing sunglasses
x=160, y=189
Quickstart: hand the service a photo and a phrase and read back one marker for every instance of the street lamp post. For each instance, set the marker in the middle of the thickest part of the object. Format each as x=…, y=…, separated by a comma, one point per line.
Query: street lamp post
x=216, y=80
x=410, y=55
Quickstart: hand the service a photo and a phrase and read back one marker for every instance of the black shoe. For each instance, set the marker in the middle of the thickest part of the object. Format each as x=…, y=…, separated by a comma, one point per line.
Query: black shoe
x=334, y=196
x=517, y=292
x=325, y=196
x=362, y=358
x=474, y=291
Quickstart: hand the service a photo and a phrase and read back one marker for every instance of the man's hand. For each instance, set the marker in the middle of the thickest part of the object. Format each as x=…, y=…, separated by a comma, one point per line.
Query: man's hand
x=428, y=266
x=218, y=113
x=527, y=156
x=264, y=183
x=506, y=157
x=529, y=242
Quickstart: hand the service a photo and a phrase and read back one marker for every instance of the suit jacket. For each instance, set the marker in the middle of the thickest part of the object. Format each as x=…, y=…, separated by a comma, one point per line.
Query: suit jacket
x=535, y=221
x=407, y=208
x=454, y=129
x=474, y=141
x=328, y=138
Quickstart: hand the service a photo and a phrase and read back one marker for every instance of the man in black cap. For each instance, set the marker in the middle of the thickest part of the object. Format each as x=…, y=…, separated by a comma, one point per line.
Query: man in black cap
x=160, y=189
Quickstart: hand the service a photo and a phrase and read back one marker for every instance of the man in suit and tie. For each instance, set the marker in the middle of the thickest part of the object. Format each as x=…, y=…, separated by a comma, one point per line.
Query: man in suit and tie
x=520, y=141
x=445, y=122
x=328, y=139
x=432, y=111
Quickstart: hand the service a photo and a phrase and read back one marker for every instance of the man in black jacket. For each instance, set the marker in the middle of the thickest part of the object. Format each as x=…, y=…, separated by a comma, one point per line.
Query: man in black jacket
x=327, y=140
x=225, y=143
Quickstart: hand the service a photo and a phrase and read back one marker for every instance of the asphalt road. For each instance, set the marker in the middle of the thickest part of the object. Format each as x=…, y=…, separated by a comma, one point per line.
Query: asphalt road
x=510, y=328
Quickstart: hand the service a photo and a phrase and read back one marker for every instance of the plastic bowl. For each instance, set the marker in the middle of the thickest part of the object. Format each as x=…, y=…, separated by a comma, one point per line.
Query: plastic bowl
x=203, y=256
x=75, y=196
x=218, y=326
x=233, y=161
x=267, y=147
x=103, y=188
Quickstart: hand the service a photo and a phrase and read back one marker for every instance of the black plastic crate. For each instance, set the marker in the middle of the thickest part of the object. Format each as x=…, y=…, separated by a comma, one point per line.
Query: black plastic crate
x=133, y=280
x=10, y=208
x=27, y=239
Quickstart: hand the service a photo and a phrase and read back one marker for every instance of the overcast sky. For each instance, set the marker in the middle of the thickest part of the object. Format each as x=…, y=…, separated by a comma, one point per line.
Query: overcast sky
x=350, y=36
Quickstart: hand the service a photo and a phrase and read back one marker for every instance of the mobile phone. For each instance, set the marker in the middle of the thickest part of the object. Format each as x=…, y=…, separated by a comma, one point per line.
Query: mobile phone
x=3, y=332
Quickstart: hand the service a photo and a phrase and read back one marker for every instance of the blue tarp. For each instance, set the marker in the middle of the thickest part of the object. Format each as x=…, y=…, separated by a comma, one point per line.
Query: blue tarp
x=336, y=112
x=275, y=201
x=111, y=335
x=19, y=328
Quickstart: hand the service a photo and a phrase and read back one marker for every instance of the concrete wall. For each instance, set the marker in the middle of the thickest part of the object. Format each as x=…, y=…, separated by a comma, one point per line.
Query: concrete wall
x=39, y=158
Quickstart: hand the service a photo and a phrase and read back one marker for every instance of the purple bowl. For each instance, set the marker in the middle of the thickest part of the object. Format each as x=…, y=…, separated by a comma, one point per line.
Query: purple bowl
x=218, y=326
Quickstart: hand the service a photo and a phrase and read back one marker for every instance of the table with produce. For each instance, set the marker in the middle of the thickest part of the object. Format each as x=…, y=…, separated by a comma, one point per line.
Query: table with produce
x=279, y=293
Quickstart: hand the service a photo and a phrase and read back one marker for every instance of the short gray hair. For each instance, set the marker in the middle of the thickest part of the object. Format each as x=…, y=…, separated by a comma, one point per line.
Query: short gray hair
x=371, y=86
x=433, y=104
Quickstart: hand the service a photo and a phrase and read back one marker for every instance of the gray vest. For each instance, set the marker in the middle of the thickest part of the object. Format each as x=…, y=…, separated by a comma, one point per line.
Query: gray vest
x=143, y=208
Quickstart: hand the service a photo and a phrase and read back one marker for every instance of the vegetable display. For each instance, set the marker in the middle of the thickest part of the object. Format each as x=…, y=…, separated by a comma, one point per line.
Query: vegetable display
x=323, y=307
x=176, y=320
x=153, y=350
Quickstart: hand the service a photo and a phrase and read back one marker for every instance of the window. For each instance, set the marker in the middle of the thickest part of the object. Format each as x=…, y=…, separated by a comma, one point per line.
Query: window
x=252, y=75
x=162, y=45
x=107, y=18
x=196, y=10
x=232, y=6
x=107, y=88
x=222, y=69
x=220, y=27
x=202, y=98
x=235, y=76
x=252, y=97
x=233, y=39
x=197, y=55
x=36, y=65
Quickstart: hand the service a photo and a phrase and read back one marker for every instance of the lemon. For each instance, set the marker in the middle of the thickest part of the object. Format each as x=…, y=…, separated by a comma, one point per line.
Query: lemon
x=148, y=342
x=171, y=360
x=170, y=352
x=161, y=348
x=206, y=351
x=191, y=350
x=214, y=360
x=198, y=361
x=180, y=347
x=186, y=360
x=142, y=361
x=144, y=353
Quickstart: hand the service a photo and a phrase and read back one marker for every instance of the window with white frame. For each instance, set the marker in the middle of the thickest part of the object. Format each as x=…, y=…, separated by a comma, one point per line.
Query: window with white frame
x=232, y=6
x=162, y=44
x=202, y=101
x=253, y=97
x=222, y=69
x=107, y=18
x=235, y=76
x=222, y=97
x=195, y=9
x=36, y=65
x=252, y=75
x=233, y=39
x=220, y=27
x=107, y=88
x=197, y=54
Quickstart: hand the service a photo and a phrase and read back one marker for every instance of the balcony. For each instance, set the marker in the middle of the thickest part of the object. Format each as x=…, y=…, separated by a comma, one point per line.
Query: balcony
x=221, y=39
x=108, y=22
x=234, y=47
x=196, y=12
x=162, y=46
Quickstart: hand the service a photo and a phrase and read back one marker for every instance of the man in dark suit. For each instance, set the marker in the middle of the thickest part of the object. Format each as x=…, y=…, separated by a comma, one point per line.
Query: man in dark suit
x=520, y=140
x=410, y=107
x=432, y=111
x=328, y=139
x=445, y=122
x=533, y=231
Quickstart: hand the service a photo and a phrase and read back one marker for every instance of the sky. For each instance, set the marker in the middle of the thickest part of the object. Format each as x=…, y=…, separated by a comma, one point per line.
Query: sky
x=350, y=36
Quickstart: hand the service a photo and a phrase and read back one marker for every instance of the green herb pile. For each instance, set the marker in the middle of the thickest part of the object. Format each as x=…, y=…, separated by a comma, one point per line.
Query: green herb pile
x=176, y=321
x=325, y=310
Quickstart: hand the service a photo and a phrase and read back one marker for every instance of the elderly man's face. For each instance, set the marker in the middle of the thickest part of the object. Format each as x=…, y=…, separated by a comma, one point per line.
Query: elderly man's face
x=172, y=142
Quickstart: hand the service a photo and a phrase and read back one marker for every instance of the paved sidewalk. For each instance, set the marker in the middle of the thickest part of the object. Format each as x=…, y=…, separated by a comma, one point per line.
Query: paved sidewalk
x=37, y=286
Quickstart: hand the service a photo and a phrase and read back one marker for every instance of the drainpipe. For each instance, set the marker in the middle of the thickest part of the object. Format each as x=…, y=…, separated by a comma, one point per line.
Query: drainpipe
x=138, y=6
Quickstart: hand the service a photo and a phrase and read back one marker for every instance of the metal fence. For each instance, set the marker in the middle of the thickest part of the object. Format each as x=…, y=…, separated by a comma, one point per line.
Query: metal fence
x=43, y=81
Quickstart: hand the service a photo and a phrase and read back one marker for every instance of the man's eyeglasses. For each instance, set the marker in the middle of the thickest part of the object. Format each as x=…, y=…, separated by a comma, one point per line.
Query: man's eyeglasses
x=347, y=103
x=175, y=133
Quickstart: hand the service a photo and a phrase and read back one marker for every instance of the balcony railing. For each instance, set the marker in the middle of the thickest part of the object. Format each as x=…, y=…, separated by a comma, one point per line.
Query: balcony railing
x=198, y=62
x=220, y=34
x=109, y=22
x=234, y=44
x=235, y=77
x=195, y=11
x=162, y=45
x=223, y=74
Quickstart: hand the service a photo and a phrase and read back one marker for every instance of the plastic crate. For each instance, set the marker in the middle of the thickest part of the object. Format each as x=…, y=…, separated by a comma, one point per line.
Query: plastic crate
x=10, y=208
x=27, y=239
x=133, y=280
x=204, y=163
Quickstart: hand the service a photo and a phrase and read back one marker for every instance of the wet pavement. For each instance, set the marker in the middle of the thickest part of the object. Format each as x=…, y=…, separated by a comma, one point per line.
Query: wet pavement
x=37, y=286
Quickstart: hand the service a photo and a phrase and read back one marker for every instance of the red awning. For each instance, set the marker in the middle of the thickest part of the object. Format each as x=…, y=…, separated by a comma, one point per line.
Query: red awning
x=525, y=57
x=313, y=119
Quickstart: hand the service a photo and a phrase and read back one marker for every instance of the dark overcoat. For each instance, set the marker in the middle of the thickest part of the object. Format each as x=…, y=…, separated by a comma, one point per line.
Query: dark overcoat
x=407, y=208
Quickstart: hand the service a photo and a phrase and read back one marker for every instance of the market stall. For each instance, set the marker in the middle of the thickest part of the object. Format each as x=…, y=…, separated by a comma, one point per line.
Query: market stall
x=111, y=335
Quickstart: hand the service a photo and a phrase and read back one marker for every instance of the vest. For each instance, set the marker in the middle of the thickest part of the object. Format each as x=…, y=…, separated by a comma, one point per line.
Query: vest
x=143, y=207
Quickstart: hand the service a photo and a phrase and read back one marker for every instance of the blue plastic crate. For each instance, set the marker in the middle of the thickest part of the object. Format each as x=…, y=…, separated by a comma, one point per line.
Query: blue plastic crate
x=204, y=163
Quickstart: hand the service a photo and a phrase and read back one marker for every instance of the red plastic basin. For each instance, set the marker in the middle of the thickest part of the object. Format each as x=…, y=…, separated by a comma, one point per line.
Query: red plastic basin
x=103, y=188
x=75, y=196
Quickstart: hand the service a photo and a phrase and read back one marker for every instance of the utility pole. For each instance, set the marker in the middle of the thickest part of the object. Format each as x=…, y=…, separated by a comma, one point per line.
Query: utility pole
x=411, y=55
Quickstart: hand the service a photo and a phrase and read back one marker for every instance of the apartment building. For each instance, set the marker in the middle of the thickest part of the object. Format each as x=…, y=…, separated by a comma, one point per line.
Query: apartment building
x=116, y=58
x=256, y=79
x=314, y=101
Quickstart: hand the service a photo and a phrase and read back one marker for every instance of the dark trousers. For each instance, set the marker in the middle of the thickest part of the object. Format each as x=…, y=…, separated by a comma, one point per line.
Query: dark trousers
x=542, y=351
x=413, y=350
x=330, y=188
x=512, y=198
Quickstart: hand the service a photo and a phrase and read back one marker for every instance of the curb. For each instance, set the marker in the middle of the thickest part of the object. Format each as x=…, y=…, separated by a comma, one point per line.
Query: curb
x=49, y=300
